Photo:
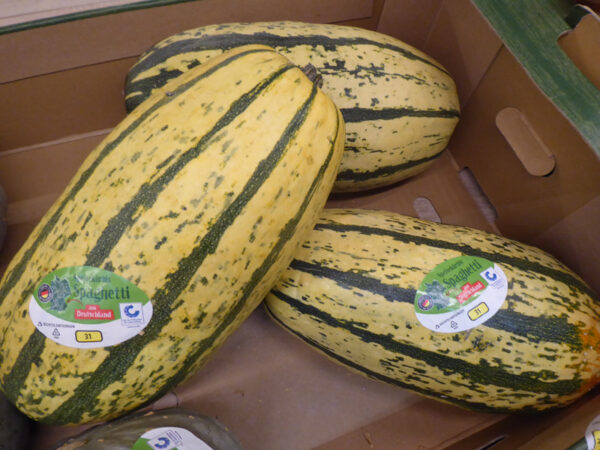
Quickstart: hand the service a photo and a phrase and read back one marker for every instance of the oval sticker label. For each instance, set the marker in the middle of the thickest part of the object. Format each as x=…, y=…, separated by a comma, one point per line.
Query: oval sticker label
x=460, y=294
x=169, y=438
x=87, y=307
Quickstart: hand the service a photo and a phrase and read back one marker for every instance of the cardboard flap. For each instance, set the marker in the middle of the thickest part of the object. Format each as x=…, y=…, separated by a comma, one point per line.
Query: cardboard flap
x=575, y=43
x=530, y=31
x=65, y=41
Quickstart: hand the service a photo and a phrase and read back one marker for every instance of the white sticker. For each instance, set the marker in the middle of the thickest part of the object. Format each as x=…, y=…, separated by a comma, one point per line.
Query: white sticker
x=460, y=294
x=88, y=307
x=592, y=434
x=170, y=438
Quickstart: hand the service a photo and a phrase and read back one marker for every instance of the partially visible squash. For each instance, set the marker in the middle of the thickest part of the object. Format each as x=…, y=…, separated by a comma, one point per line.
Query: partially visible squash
x=127, y=431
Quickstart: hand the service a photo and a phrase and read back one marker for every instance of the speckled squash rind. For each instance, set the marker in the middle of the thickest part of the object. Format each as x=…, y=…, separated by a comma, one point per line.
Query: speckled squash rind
x=200, y=198
x=350, y=292
x=399, y=104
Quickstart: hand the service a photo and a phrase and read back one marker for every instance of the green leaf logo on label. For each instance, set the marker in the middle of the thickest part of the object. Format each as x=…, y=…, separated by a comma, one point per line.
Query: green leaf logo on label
x=87, y=307
x=460, y=294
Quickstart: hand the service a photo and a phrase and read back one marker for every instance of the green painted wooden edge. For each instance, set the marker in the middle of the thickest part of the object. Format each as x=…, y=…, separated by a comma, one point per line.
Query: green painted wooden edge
x=530, y=29
x=87, y=14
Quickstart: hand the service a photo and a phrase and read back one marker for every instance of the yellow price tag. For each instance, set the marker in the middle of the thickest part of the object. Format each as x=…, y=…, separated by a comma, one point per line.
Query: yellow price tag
x=88, y=336
x=478, y=311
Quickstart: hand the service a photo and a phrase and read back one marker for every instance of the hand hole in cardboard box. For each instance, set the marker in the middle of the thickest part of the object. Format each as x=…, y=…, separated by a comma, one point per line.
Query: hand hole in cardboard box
x=531, y=150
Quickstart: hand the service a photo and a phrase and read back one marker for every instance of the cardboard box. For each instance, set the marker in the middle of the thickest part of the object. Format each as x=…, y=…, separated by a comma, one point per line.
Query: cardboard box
x=524, y=162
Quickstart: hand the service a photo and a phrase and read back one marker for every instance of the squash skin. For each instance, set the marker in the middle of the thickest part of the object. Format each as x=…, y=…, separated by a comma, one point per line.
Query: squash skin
x=122, y=433
x=350, y=294
x=214, y=172
x=399, y=104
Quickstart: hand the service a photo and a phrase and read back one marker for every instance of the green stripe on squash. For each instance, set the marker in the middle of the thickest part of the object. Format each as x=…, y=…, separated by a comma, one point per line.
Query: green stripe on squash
x=177, y=216
x=350, y=293
x=399, y=104
x=109, y=145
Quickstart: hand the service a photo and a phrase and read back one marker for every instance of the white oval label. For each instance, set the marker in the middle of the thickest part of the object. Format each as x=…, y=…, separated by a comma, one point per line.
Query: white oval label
x=460, y=294
x=88, y=307
x=169, y=438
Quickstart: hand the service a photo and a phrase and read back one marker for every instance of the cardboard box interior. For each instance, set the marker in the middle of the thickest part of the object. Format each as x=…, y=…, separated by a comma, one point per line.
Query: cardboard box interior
x=515, y=166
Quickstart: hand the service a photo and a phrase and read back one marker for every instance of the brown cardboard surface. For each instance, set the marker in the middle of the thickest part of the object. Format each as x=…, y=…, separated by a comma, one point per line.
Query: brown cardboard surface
x=463, y=43
x=527, y=205
x=43, y=170
x=116, y=36
x=413, y=428
x=439, y=184
x=370, y=22
x=268, y=386
x=60, y=104
x=409, y=21
x=28, y=10
x=575, y=239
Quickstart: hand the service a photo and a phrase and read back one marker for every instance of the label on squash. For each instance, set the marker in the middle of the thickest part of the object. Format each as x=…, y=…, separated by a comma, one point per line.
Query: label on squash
x=592, y=434
x=88, y=307
x=169, y=438
x=460, y=294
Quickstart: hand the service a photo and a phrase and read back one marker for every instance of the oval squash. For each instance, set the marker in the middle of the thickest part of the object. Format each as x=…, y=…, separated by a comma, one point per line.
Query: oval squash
x=193, y=204
x=362, y=290
x=400, y=106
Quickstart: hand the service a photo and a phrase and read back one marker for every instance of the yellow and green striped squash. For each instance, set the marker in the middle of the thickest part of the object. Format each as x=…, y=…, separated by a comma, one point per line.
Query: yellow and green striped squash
x=400, y=106
x=350, y=293
x=199, y=198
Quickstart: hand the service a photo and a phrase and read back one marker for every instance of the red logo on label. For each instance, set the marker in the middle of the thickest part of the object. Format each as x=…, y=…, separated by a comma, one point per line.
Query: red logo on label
x=93, y=312
x=468, y=290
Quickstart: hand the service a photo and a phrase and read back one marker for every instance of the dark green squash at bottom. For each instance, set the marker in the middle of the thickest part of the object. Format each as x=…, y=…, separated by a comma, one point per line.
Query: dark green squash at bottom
x=123, y=433
x=15, y=428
